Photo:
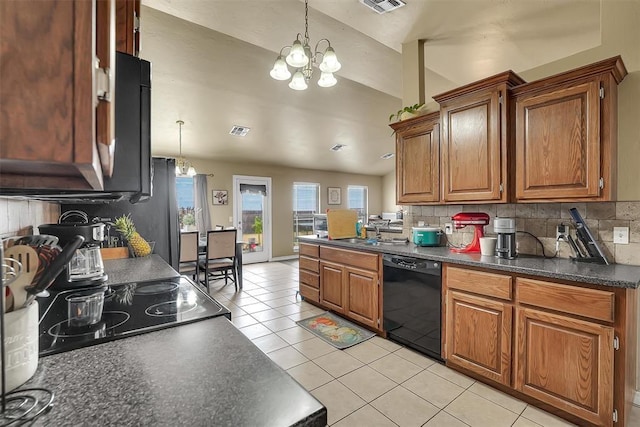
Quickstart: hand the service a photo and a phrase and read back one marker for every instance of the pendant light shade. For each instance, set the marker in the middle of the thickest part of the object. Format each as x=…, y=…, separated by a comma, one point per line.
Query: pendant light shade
x=183, y=166
x=327, y=80
x=297, y=58
x=298, y=82
x=330, y=62
x=280, y=70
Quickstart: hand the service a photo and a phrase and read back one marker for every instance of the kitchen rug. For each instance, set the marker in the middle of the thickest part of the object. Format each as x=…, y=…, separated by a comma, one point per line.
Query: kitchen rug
x=335, y=330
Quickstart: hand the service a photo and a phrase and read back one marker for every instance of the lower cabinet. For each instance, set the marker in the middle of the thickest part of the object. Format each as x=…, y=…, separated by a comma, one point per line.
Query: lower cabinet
x=568, y=346
x=349, y=283
x=309, y=269
x=567, y=363
x=479, y=335
x=332, y=286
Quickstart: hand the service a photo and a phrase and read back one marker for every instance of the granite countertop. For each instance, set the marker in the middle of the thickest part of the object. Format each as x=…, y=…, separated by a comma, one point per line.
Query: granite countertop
x=202, y=373
x=127, y=270
x=615, y=275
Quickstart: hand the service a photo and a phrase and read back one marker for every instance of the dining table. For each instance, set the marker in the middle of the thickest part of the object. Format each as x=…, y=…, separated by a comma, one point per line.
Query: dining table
x=202, y=249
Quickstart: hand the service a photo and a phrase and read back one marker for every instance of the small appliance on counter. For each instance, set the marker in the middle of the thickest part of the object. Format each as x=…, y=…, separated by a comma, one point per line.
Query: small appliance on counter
x=426, y=236
x=320, y=225
x=478, y=220
x=86, y=268
x=506, y=244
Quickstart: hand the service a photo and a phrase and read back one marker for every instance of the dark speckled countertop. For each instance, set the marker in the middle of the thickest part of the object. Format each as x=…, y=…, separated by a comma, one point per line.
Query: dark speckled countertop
x=199, y=374
x=616, y=275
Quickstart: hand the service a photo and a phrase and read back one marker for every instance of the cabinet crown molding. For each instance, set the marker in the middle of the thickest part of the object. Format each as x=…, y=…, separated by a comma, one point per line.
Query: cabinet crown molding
x=613, y=66
x=509, y=78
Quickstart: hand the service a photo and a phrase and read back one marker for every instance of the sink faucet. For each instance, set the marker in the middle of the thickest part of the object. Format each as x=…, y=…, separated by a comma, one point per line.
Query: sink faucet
x=378, y=234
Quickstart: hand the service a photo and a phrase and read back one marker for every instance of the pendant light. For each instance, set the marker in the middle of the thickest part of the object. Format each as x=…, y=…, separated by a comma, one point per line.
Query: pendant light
x=302, y=59
x=183, y=166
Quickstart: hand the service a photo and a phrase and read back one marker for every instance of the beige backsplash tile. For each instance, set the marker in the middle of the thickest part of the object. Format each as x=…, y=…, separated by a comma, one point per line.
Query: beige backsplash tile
x=541, y=220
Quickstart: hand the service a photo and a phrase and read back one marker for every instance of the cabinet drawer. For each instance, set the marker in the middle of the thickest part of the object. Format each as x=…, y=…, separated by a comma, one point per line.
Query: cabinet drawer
x=309, y=279
x=310, y=264
x=586, y=302
x=479, y=282
x=362, y=260
x=309, y=250
x=309, y=293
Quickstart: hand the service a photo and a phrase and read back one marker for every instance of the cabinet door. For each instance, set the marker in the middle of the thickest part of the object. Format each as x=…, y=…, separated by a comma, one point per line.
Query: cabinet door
x=565, y=362
x=478, y=335
x=558, y=144
x=418, y=162
x=48, y=110
x=471, y=148
x=127, y=31
x=362, y=302
x=332, y=290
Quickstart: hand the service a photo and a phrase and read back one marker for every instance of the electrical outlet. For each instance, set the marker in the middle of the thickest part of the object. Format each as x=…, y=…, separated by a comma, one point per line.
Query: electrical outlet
x=420, y=223
x=448, y=228
x=230, y=220
x=562, y=230
x=621, y=235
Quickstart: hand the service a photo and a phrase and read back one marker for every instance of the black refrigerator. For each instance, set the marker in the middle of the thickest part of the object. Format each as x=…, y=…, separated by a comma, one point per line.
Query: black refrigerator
x=156, y=219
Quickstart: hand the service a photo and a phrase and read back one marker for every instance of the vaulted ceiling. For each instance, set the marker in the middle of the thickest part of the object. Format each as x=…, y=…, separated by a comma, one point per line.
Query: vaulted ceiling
x=211, y=62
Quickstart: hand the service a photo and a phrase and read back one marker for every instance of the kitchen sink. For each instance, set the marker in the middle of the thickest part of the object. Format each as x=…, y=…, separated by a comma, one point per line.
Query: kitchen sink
x=375, y=242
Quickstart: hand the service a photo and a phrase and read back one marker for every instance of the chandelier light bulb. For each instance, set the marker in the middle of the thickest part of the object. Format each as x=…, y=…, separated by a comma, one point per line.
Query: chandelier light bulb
x=330, y=62
x=327, y=80
x=297, y=58
x=280, y=70
x=191, y=171
x=298, y=82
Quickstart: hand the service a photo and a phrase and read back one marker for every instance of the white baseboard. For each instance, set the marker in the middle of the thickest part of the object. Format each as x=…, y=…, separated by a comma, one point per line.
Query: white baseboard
x=284, y=258
x=636, y=399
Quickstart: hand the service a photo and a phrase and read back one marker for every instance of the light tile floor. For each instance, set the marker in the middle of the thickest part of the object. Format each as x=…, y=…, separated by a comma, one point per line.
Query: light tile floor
x=375, y=383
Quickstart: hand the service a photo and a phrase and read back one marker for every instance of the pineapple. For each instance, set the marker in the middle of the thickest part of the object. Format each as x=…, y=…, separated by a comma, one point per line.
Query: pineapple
x=125, y=225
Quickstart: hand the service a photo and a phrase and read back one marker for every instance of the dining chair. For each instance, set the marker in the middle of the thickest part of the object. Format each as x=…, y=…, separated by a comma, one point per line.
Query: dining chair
x=189, y=262
x=220, y=256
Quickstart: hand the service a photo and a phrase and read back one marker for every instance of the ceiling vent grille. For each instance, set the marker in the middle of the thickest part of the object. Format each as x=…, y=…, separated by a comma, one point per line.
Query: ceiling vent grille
x=383, y=6
x=239, y=130
x=337, y=147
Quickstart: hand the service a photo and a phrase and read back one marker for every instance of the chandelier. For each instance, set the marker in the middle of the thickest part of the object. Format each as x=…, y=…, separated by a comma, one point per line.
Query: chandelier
x=183, y=166
x=303, y=60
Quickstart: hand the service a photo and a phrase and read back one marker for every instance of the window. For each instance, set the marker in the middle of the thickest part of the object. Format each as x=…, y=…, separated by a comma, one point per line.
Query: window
x=306, y=202
x=357, y=199
x=186, y=203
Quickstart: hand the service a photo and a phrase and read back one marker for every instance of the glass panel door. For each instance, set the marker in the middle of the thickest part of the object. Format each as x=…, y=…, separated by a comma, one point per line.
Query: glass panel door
x=252, y=201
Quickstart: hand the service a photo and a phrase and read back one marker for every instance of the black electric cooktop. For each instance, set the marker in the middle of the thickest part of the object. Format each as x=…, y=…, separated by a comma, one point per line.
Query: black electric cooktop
x=128, y=309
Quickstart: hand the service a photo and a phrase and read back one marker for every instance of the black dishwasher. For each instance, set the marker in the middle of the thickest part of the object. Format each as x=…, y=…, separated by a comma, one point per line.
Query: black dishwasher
x=411, y=303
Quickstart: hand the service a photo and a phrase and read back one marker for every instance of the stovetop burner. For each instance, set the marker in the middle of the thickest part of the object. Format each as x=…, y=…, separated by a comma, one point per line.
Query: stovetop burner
x=128, y=309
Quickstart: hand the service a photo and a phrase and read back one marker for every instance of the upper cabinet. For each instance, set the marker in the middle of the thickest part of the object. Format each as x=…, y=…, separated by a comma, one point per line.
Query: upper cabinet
x=418, y=159
x=566, y=135
x=128, y=26
x=56, y=115
x=477, y=137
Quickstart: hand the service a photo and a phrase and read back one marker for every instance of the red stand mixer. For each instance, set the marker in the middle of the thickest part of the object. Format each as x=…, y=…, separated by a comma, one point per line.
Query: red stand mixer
x=478, y=220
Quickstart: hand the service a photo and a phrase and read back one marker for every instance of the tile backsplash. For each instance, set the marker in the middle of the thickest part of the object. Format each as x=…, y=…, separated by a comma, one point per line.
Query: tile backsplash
x=541, y=220
x=18, y=216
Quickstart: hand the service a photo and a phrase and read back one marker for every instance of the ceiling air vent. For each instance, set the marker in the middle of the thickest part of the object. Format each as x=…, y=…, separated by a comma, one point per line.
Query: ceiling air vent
x=239, y=130
x=337, y=147
x=383, y=6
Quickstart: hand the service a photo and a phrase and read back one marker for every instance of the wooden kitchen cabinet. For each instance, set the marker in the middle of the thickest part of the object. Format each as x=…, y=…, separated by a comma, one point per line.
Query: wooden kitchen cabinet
x=566, y=359
x=569, y=346
x=128, y=26
x=309, y=271
x=333, y=289
x=346, y=282
x=478, y=322
x=566, y=135
x=57, y=132
x=477, y=140
x=418, y=159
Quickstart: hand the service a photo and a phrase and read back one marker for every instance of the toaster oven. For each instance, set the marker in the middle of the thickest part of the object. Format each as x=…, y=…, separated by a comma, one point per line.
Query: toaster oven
x=320, y=225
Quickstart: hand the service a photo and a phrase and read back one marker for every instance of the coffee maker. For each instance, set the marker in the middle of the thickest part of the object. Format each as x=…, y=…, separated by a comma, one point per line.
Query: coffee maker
x=86, y=268
x=506, y=230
